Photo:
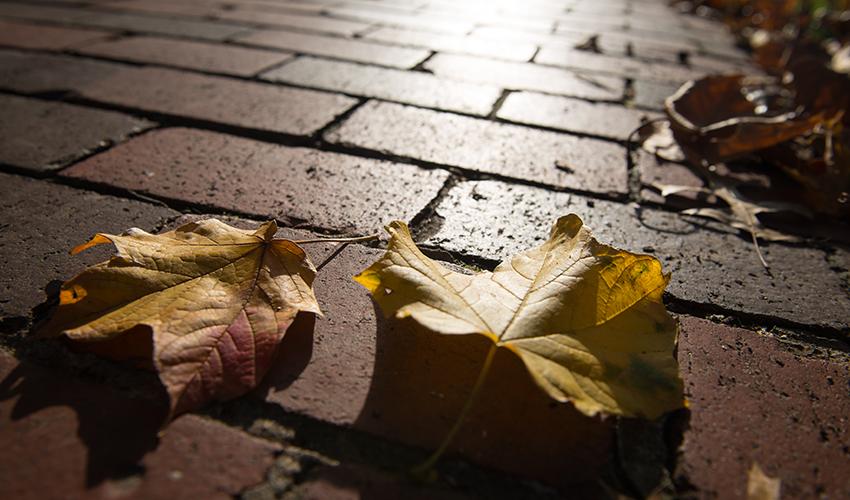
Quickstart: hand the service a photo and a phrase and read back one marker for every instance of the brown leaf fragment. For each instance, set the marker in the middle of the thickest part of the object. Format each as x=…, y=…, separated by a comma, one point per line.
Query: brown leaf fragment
x=760, y=486
x=215, y=300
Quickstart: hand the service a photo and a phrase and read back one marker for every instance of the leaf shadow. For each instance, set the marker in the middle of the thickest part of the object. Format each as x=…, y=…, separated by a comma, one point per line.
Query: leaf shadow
x=421, y=380
x=116, y=427
x=294, y=354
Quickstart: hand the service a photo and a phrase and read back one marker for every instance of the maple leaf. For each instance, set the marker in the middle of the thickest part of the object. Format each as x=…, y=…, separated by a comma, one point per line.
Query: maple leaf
x=585, y=318
x=216, y=299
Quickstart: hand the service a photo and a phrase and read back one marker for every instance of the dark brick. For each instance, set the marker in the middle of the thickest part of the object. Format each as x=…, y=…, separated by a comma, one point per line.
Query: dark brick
x=302, y=22
x=389, y=378
x=34, y=73
x=573, y=115
x=33, y=36
x=627, y=68
x=486, y=146
x=43, y=135
x=709, y=265
x=236, y=102
x=515, y=51
x=523, y=76
x=40, y=222
x=353, y=50
x=412, y=87
x=135, y=23
x=69, y=438
x=755, y=400
x=327, y=190
x=188, y=54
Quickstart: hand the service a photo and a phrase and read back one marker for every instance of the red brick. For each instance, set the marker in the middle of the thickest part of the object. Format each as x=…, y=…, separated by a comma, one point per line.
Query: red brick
x=35, y=73
x=391, y=379
x=224, y=100
x=710, y=263
x=435, y=23
x=69, y=438
x=487, y=146
x=755, y=400
x=42, y=221
x=188, y=54
x=301, y=22
x=628, y=68
x=33, y=36
x=328, y=190
x=573, y=115
x=412, y=87
x=515, y=51
x=524, y=76
x=353, y=50
x=136, y=23
x=44, y=135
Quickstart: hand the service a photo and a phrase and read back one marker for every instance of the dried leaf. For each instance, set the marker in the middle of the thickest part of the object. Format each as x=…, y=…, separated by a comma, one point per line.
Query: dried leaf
x=657, y=138
x=718, y=118
x=216, y=299
x=742, y=213
x=760, y=486
x=585, y=318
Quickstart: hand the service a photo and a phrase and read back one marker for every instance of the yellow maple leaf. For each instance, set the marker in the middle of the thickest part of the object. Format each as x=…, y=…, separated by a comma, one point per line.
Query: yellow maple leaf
x=216, y=299
x=586, y=319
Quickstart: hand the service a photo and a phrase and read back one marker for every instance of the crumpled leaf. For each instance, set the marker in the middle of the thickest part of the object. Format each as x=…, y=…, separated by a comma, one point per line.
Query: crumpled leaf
x=657, y=138
x=718, y=118
x=216, y=299
x=760, y=486
x=585, y=318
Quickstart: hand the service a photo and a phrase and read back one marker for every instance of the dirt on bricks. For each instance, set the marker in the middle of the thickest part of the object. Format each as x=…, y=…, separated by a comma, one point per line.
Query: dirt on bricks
x=477, y=123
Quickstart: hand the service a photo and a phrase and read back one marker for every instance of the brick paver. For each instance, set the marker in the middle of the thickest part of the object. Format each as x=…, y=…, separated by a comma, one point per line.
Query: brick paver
x=81, y=422
x=455, y=44
x=43, y=135
x=512, y=151
x=754, y=400
x=300, y=22
x=41, y=222
x=188, y=54
x=325, y=190
x=409, y=87
x=522, y=76
x=708, y=266
x=478, y=123
x=223, y=100
x=122, y=21
x=573, y=115
x=339, y=48
x=34, y=36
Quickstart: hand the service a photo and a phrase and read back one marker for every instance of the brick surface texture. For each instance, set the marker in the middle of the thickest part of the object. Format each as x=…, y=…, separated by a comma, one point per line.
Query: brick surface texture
x=477, y=123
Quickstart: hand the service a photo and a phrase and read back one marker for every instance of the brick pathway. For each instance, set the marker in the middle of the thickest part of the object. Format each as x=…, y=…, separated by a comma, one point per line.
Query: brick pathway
x=479, y=123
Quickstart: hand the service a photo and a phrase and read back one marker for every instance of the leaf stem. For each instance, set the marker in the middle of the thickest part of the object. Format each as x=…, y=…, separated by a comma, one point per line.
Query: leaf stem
x=422, y=469
x=337, y=240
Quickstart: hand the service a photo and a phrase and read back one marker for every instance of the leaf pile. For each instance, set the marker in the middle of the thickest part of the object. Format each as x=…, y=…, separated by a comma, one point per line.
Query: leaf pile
x=216, y=301
x=794, y=119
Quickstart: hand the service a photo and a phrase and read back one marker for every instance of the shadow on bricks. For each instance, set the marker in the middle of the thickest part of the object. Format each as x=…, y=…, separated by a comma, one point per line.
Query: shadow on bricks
x=116, y=429
x=421, y=381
